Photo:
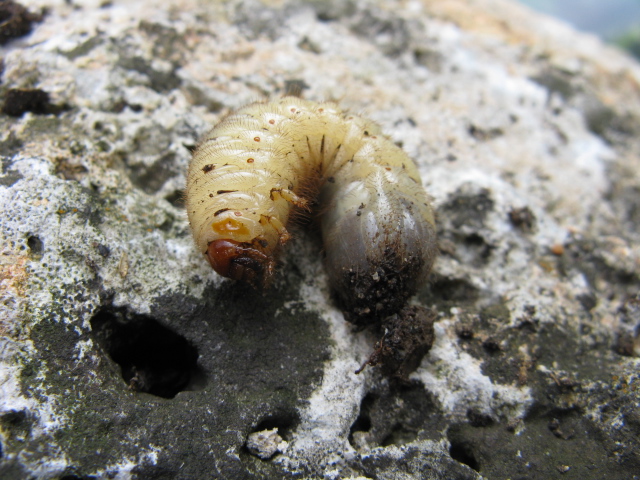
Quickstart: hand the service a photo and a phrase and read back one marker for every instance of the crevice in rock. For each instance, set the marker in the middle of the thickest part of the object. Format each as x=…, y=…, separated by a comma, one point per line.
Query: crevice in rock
x=153, y=359
x=151, y=178
x=394, y=414
x=270, y=435
x=399, y=435
x=36, y=246
x=15, y=21
x=468, y=207
x=363, y=422
x=484, y=134
x=457, y=290
x=16, y=424
x=461, y=452
x=285, y=421
x=176, y=198
x=474, y=250
x=18, y=101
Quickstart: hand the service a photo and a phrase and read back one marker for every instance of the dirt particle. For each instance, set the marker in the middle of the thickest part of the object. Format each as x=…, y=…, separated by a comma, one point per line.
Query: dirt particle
x=408, y=337
x=523, y=219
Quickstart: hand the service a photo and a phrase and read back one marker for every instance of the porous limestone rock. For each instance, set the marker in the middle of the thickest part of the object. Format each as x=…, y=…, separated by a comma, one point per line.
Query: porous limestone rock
x=123, y=355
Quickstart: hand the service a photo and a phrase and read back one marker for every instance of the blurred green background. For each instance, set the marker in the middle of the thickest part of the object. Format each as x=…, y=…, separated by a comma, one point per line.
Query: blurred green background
x=616, y=21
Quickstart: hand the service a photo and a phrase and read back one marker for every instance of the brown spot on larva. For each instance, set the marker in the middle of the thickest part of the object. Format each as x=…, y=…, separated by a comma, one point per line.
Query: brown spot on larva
x=272, y=121
x=218, y=212
x=256, y=139
x=237, y=214
x=557, y=249
x=208, y=168
x=210, y=196
x=388, y=169
x=250, y=160
x=220, y=192
x=293, y=110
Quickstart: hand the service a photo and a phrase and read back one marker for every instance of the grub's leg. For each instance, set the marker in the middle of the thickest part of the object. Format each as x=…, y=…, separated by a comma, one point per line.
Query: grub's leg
x=290, y=197
x=283, y=234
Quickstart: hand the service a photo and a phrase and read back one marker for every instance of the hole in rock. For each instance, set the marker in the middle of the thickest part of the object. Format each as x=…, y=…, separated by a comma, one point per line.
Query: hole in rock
x=176, y=198
x=15, y=422
x=454, y=289
x=473, y=249
x=18, y=101
x=15, y=21
x=461, y=451
x=266, y=438
x=151, y=178
x=399, y=435
x=363, y=422
x=35, y=245
x=152, y=358
x=285, y=422
x=393, y=414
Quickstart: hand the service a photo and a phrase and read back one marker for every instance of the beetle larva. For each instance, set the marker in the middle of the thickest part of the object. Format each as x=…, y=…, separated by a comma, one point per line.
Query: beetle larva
x=258, y=164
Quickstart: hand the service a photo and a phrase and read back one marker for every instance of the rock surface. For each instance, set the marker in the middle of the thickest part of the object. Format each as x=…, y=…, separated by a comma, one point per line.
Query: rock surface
x=124, y=356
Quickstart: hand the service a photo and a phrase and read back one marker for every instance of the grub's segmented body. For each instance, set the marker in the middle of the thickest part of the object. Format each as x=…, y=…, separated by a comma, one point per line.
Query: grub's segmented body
x=261, y=162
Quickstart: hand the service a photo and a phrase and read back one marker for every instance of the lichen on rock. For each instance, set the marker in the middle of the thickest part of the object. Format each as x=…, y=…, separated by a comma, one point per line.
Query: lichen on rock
x=526, y=135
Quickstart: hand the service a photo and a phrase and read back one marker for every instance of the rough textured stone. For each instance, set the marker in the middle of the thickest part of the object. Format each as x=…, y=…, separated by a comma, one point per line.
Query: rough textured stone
x=124, y=356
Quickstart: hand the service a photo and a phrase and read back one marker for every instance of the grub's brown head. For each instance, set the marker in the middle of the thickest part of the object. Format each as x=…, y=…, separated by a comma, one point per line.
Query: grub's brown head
x=241, y=261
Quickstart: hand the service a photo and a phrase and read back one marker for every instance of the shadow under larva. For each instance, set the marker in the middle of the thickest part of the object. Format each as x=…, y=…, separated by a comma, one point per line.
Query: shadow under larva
x=251, y=171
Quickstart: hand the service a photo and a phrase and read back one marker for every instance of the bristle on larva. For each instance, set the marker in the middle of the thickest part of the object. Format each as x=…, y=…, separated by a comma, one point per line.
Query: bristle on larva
x=253, y=169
